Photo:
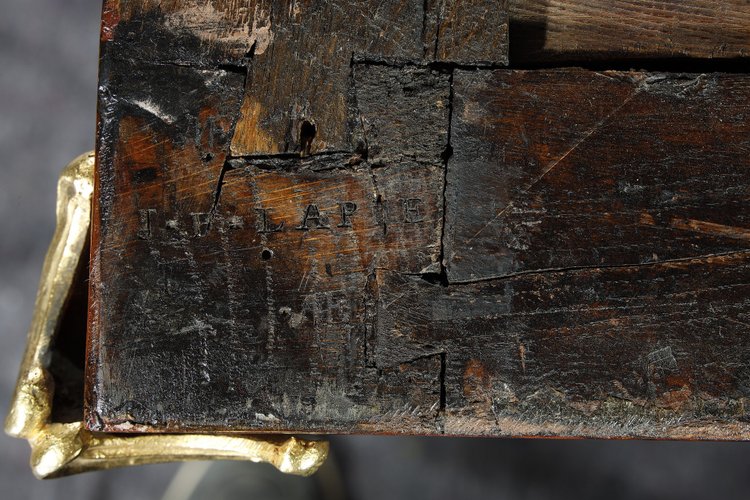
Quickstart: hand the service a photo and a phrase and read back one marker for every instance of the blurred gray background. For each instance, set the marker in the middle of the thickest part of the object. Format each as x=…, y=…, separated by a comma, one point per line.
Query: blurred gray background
x=48, y=71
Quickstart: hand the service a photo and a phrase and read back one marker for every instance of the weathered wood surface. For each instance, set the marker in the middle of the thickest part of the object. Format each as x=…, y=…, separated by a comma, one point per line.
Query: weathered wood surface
x=422, y=242
x=571, y=168
x=471, y=32
x=585, y=30
x=299, y=54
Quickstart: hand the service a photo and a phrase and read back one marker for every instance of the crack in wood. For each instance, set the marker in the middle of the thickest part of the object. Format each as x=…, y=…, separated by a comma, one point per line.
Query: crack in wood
x=446, y=156
x=574, y=269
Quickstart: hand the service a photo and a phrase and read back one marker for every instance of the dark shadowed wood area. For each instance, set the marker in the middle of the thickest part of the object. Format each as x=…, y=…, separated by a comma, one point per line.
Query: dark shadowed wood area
x=343, y=217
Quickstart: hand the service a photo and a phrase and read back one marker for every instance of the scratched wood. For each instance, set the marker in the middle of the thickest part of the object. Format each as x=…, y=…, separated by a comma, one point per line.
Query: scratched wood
x=349, y=217
x=572, y=168
x=585, y=30
x=467, y=31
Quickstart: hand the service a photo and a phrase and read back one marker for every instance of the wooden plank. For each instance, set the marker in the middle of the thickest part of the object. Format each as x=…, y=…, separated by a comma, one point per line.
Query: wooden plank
x=571, y=168
x=629, y=351
x=585, y=30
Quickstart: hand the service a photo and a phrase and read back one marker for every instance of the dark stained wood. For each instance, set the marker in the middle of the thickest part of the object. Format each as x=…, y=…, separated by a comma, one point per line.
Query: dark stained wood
x=467, y=31
x=571, y=168
x=585, y=30
x=258, y=306
x=347, y=217
x=630, y=351
x=299, y=54
x=299, y=76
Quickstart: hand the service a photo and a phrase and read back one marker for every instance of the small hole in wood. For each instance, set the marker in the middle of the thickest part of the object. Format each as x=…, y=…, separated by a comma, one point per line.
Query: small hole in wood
x=307, y=133
x=266, y=254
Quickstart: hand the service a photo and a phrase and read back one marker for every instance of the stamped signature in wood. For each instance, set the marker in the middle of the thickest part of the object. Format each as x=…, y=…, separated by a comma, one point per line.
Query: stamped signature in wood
x=312, y=218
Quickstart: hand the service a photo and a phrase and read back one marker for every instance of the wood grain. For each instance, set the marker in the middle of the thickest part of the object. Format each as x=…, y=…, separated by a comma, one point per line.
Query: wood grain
x=467, y=31
x=586, y=30
x=571, y=168
x=631, y=351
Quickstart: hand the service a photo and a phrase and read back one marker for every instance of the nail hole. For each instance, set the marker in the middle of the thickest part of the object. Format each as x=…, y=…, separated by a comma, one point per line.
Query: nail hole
x=307, y=133
x=266, y=254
